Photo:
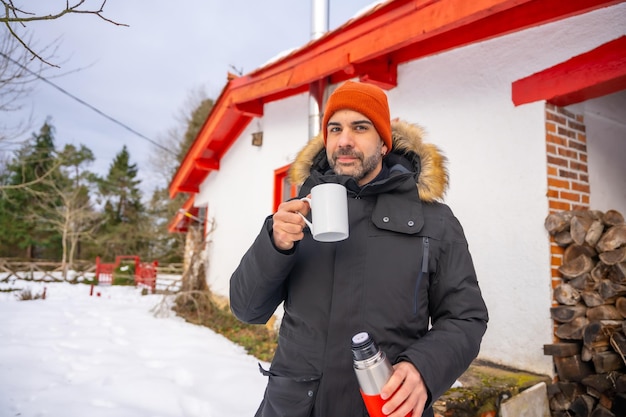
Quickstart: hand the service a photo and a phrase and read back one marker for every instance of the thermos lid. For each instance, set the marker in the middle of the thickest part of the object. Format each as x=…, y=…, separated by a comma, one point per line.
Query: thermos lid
x=363, y=346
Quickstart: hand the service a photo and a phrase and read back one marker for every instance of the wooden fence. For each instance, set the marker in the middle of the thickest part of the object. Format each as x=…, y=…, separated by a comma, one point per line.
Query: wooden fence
x=45, y=271
x=167, y=275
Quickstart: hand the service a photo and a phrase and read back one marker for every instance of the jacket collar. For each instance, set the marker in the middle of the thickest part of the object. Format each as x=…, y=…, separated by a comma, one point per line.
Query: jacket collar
x=408, y=156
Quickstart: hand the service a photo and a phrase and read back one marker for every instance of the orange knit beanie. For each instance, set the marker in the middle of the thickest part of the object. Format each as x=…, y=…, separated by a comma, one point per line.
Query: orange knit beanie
x=366, y=99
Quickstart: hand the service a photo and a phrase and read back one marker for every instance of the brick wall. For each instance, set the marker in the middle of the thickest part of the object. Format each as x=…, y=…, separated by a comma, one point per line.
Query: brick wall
x=566, y=149
x=568, y=179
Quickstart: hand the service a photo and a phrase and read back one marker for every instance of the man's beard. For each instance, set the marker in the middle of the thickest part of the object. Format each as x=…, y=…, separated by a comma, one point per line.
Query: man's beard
x=361, y=166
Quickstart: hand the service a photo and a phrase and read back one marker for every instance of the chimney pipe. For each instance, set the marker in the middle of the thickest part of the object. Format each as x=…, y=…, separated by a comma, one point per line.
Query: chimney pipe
x=319, y=26
x=319, y=18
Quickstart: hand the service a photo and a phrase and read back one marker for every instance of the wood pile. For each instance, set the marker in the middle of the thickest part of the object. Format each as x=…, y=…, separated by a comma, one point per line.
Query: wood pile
x=589, y=315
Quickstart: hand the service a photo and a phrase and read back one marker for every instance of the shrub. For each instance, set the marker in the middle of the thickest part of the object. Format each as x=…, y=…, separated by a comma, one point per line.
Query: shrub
x=198, y=307
x=124, y=274
x=26, y=295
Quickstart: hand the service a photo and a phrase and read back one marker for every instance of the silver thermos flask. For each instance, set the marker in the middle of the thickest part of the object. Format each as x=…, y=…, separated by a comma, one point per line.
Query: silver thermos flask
x=373, y=370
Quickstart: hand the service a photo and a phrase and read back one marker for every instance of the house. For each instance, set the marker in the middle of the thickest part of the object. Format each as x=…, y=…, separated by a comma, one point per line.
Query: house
x=525, y=97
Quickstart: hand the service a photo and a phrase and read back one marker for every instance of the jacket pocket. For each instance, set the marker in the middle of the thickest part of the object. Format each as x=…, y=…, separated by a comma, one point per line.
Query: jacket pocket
x=288, y=396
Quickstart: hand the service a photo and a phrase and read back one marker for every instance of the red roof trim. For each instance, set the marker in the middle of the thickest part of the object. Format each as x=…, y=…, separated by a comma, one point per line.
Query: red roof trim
x=223, y=126
x=180, y=222
x=598, y=72
x=206, y=164
x=369, y=47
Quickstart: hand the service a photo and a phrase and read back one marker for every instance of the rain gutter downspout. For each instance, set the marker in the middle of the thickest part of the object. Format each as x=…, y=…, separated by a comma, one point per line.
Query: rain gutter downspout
x=319, y=26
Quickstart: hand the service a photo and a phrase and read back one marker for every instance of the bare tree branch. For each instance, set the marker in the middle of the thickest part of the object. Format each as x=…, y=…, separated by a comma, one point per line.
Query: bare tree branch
x=27, y=185
x=14, y=15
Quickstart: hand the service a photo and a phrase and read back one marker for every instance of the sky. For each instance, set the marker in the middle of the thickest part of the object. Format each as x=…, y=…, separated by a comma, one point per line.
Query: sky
x=143, y=75
x=76, y=355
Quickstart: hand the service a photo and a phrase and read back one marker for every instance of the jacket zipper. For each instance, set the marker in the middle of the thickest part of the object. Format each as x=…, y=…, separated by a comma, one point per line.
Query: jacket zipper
x=423, y=270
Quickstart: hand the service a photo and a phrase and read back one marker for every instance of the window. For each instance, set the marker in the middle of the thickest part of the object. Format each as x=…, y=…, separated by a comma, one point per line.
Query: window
x=283, y=189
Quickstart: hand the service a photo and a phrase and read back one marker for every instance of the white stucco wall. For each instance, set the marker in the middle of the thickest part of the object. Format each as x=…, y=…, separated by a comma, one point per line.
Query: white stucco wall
x=497, y=190
x=605, y=122
x=497, y=170
x=240, y=195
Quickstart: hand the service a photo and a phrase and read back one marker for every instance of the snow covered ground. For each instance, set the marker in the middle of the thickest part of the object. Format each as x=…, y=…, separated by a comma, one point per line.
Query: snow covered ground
x=76, y=355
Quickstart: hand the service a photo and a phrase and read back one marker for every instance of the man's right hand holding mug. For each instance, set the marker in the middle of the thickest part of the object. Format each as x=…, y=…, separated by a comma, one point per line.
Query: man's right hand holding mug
x=288, y=224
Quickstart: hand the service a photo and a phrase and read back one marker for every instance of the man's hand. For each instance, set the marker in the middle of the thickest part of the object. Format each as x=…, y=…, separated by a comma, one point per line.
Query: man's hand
x=405, y=391
x=288, y=224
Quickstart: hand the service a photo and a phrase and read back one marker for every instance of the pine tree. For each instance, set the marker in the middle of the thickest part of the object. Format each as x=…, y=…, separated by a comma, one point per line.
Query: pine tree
x=167, y=246
x=194, y=125
x=122, y=232
x=25, y=182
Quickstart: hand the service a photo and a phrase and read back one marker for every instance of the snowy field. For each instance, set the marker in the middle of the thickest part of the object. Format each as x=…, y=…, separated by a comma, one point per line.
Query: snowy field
x=76, y=355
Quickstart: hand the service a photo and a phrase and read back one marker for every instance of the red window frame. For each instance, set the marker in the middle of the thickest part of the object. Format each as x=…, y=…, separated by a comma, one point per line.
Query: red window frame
x=283, y=189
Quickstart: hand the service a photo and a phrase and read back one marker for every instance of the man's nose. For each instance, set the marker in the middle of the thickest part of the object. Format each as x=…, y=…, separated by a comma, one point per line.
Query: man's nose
x=345, y=139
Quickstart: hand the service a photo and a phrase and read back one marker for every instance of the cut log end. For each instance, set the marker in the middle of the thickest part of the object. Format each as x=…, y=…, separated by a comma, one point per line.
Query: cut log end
x=577, y=266
x=613, y=238
x=612, y=218
x=590, y=318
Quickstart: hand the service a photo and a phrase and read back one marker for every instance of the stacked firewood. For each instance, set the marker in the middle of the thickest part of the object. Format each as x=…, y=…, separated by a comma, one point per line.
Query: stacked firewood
x=589, y=315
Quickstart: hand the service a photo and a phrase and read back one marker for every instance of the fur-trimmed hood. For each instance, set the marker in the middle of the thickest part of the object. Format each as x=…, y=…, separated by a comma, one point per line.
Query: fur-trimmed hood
x=426, y=160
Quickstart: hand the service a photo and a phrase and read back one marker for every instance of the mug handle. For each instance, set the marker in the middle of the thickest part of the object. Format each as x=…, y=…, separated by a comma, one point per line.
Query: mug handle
x=308, y=223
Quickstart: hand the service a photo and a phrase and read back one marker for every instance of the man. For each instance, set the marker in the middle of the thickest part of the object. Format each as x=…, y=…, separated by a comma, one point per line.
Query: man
x=404, y=275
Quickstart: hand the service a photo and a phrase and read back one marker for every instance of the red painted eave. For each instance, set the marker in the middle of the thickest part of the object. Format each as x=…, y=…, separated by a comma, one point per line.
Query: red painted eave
x=596, y=73
x=369, y=47
x=400, y=31
x=222, y=126
x=180, y=222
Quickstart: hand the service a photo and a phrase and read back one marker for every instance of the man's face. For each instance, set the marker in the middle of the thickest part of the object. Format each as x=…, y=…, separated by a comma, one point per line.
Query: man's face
x=353, y=146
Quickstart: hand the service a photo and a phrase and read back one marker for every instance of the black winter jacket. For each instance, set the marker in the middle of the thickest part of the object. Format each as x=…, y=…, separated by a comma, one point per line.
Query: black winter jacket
x=405, y=275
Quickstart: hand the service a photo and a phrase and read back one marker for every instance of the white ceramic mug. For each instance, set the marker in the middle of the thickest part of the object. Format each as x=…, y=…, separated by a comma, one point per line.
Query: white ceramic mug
x=329, y=212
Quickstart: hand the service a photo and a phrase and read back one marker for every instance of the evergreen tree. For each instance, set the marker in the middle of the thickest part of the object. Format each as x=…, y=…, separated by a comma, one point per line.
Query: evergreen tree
x=123, y=228
x=194, y=125
x=24, y=183
x=168, y=247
